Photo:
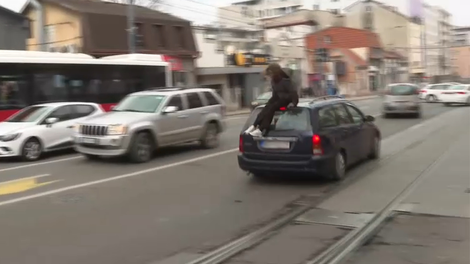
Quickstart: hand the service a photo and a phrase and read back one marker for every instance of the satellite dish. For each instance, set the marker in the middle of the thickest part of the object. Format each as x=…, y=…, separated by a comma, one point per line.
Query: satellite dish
x=230, y=50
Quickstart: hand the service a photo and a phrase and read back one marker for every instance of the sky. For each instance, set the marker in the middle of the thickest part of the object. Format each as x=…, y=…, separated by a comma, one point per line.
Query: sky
x=204, y=11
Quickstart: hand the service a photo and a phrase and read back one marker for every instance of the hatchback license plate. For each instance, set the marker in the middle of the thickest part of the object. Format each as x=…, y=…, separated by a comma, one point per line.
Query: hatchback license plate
x=90, y=141
x=275, y=144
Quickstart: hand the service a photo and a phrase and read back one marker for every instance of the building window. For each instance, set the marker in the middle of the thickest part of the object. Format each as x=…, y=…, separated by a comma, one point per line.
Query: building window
x=368, y=9
x=244, y=11
x=49, y=32
x=160, y=35
x=334, y=1
x=316, y=7
x=139, y=34
x=334, y=11
x=179, y=37
x=327, y=39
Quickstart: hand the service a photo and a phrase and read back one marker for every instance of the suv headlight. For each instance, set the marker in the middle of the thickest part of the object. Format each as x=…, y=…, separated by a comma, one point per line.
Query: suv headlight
x=117, y=130
x=10, y=137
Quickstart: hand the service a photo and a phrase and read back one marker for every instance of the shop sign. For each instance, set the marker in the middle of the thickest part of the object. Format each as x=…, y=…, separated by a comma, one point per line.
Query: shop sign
x=175, y=63
x=248, y=59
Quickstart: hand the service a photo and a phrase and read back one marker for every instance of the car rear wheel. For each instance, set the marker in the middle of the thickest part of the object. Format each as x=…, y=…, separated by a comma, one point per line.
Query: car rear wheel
x=417, y=115
x=431, y=98
x=91, y=157
x=338, y=169
x=142, y=148
x=32, y=150
x=446, y=104
x=210, y=139
x=375, y=148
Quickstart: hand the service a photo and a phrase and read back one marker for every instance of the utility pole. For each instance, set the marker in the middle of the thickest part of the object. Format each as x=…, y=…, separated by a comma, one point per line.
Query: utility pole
x=130, y=26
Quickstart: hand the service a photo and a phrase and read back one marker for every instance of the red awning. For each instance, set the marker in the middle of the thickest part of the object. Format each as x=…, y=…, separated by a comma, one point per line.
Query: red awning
x=176, y=63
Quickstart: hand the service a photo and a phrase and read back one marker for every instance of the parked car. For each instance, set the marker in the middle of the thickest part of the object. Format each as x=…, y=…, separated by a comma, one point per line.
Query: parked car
x=261, y=100
x=432, y=92
x=457, y=94
x=147, y=120
x=401, y=98
x=320, y=137
x=42, y=128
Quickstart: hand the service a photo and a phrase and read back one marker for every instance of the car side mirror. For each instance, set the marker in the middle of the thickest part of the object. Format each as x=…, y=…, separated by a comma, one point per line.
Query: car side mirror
x=51, y=120
x=170, y=109
x=370, y=118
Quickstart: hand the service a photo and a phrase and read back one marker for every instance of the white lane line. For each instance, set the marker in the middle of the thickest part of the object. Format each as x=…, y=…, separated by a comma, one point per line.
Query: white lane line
x=123, y=176
x=26, y=178
x=69, y=158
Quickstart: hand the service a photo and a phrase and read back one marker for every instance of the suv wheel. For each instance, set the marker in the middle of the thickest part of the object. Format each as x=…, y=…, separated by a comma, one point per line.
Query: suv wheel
x=142, y=147
x=339, y=167
x=375, y=148
x=210, y=138
x=31, y=150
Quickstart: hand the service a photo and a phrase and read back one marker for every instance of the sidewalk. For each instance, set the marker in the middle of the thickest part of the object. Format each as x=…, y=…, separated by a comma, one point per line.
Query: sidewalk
x=246, y=111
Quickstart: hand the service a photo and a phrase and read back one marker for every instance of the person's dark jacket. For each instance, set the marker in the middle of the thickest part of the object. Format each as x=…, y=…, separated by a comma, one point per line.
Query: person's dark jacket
x=285, y=91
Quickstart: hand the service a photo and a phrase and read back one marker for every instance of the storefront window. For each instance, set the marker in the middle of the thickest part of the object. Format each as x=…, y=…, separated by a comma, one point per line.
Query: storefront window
x=180, y=78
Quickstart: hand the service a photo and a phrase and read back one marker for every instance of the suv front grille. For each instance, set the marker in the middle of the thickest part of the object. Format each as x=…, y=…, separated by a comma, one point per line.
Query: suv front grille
x=92, y=130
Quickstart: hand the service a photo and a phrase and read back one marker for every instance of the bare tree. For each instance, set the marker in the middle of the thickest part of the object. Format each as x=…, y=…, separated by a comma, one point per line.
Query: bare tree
x=152, y=4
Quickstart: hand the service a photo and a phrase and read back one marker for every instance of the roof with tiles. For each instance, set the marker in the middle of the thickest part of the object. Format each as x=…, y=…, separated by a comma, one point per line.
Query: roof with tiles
x=343, y=37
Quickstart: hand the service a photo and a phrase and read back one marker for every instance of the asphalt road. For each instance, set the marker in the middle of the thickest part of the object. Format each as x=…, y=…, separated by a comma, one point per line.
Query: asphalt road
x=76, y=211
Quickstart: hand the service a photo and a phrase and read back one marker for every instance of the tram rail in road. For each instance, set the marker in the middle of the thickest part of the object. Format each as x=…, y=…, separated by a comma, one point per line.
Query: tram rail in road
x=354, y=239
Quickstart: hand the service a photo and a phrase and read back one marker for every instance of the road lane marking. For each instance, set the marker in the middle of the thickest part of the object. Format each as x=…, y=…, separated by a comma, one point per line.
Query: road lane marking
x=23, y=184
x=123, y=176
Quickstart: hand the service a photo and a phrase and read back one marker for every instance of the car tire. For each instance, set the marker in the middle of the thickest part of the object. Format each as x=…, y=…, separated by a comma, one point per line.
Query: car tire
x=91, y=157
x=141, y=148
x=210, y=138
x=431, y=98
x=31, y=150
x=446, y=104
x=468, y=101
x=385, y=115
x=417, y=115
x=338, y=170
x=375, y=148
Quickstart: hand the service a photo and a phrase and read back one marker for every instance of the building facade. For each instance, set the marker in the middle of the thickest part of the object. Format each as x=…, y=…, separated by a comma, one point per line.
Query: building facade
x=461, y=62
x=100, y=29
x=14, y=30
x=460, y=36
x=445, y=41
x=431, y=40
x=231, y=62
x=397, y=31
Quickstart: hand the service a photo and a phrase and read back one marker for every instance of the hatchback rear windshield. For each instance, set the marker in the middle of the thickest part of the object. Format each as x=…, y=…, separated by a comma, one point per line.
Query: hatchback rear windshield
x=286, y=120
x=402, y=90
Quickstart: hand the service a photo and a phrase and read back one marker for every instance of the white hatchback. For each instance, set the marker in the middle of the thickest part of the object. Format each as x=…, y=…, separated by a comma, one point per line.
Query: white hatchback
x=457, y=94
x=432, y=92
x=43, y=128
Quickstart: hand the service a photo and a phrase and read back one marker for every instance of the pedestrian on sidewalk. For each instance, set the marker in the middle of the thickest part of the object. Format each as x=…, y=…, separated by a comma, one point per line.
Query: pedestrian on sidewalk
x=284, y=95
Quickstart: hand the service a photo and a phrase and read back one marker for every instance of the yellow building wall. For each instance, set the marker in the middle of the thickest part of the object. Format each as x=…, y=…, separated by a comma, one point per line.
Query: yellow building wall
x=67, y=26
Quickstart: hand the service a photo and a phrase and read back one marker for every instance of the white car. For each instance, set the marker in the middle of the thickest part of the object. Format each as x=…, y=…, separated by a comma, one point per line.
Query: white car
x=43, y=128
x=432, y=92
x=457, y=94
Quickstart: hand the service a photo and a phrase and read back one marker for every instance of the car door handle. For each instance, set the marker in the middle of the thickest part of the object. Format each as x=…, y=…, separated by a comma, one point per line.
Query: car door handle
x=183, y=116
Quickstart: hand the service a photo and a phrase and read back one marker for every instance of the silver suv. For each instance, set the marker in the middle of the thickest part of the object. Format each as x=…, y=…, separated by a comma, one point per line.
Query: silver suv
x=145, y=120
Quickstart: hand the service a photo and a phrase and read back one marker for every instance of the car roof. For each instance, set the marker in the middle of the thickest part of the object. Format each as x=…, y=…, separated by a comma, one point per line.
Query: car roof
x=171, y=91
x=58, y=104
x=318, y=101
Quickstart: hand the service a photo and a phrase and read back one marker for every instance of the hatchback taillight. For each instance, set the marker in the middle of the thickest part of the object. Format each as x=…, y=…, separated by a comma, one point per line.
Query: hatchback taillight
x=461, y=93
x=240, y=144
x=316, y=145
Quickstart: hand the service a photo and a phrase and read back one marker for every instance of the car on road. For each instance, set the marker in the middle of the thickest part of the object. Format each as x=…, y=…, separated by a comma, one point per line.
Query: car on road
x=401, y=98
x=144, y=121
x=457, y=94
x=320, y=137
x=43, y=128
x=431, y=93
x=261, y=100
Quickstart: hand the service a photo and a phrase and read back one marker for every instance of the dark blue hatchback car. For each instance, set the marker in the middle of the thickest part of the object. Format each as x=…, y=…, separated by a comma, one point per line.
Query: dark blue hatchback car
x=319, y=137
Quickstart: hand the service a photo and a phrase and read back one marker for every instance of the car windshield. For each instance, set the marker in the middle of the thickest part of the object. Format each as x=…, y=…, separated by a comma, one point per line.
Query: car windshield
x=290, y=119
x=265, y=96
x=402, y=90
x=29, y=114
x=139, y=103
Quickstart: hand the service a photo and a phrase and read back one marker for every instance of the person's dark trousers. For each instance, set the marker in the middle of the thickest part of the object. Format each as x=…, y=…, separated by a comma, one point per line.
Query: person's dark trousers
x=265, y=117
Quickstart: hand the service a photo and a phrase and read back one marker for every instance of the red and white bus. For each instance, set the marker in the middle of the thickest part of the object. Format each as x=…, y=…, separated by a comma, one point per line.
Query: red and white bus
x=32, y=77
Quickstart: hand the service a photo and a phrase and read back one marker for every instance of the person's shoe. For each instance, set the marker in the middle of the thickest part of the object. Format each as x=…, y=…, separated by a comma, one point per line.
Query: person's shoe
x=250, y=129
x=256, y=133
